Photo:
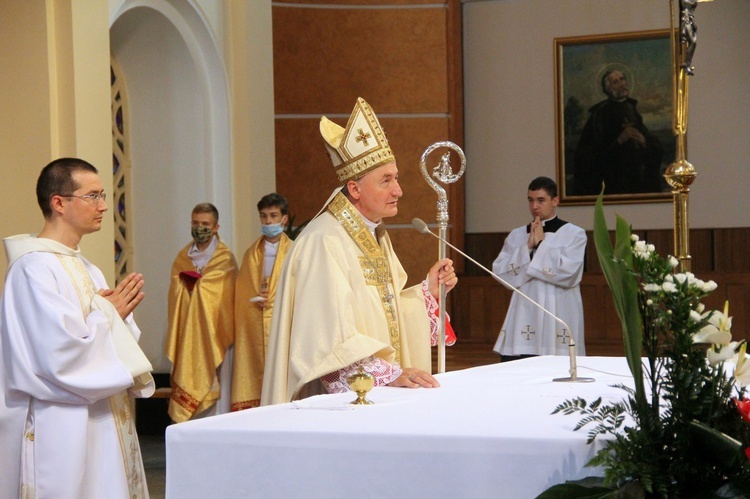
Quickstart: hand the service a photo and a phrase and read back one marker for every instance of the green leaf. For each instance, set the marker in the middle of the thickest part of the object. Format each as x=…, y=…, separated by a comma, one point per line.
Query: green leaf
x=614, y=263
x=574, y=491
x=722, y=448
x=293, y=231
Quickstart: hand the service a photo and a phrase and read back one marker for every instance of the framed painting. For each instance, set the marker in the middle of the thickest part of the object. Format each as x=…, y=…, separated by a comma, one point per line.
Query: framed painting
x=613, y=98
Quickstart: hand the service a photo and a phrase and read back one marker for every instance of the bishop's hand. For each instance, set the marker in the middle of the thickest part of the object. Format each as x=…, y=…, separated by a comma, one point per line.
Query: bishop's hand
x=442, y=272
x=412, y=377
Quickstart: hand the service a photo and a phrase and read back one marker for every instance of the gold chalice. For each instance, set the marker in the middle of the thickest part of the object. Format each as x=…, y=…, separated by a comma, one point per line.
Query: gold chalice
x=361, y=383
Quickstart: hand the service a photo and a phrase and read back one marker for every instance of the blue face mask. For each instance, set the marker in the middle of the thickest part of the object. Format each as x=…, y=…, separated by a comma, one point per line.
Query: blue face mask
x=271, y=230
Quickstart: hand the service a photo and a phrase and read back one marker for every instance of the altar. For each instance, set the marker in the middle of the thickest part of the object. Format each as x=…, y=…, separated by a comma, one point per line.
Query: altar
x=486, y=432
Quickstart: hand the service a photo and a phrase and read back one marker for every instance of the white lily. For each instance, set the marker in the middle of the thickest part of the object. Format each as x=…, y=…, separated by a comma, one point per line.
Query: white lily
x=713, y=335
x=726, y=352
x=718, y=331
x=742, y=367
x=721, y=321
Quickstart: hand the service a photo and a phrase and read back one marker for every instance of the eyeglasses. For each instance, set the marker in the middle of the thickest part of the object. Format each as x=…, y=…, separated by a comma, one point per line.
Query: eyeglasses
x=92, y=198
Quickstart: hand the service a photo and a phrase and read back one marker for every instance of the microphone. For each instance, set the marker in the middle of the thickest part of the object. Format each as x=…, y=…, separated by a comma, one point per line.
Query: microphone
x=422, y=227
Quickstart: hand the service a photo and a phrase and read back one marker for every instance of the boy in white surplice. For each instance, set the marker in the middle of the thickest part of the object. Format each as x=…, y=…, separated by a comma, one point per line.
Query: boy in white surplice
x=544, y=260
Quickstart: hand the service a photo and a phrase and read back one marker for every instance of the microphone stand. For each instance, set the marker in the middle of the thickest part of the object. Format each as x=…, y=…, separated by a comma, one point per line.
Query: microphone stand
x=573, y=378
x=444, y=173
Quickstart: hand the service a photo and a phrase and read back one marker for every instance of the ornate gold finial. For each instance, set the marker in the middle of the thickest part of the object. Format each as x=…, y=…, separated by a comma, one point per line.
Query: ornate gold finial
x=681, y=173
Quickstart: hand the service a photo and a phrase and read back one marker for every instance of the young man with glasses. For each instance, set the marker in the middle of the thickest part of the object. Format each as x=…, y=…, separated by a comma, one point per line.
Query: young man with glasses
x=69, y=353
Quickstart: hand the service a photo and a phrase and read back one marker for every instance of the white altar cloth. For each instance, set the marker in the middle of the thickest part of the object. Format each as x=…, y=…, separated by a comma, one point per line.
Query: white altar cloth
x=486, y=432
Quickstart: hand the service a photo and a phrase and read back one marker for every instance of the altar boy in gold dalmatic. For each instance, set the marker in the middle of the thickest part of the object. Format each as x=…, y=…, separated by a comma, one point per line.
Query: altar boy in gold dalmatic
x=254, y=298
x=201, y=316
x=341, y=302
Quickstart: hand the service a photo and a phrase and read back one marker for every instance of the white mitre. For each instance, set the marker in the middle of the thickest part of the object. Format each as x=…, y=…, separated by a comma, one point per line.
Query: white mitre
x=360, y=147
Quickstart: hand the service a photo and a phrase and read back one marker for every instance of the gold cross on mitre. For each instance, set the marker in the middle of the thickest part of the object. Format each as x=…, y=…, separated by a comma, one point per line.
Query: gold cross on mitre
x=363, y=136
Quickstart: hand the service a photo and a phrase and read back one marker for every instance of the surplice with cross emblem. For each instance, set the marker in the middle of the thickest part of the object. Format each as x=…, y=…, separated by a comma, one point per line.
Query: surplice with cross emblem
x=550, y=275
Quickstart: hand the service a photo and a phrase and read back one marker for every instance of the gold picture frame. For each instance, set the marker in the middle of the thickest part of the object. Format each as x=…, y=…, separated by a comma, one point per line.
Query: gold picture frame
x=606, y=132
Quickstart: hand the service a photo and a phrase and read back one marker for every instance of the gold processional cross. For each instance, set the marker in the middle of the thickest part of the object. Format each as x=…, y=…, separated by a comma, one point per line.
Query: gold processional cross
x=681, y=174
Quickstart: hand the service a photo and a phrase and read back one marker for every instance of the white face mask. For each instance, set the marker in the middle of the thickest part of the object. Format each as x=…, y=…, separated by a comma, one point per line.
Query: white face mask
x=271, y=230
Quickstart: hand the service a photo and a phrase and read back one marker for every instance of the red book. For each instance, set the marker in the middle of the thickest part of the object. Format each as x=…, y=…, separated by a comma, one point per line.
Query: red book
x=189, y=278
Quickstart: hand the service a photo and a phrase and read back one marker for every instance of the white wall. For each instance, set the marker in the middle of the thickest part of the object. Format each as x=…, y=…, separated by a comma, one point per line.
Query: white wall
x=509, y=107
x=168, y=151
x=199, y=76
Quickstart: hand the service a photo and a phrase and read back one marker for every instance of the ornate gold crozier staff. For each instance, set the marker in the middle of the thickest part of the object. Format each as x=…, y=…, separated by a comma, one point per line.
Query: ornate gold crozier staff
x=444, y=173
x=681, y=174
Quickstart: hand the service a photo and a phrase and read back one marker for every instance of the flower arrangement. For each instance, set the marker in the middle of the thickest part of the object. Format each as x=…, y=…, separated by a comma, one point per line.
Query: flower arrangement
x=689, y=427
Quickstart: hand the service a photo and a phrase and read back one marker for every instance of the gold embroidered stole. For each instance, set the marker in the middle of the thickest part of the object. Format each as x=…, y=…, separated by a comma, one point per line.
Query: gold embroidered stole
x=374, y=264
x=120, y=402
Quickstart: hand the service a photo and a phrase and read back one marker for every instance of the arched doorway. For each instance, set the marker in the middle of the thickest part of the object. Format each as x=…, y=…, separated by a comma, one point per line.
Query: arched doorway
x=179, y=141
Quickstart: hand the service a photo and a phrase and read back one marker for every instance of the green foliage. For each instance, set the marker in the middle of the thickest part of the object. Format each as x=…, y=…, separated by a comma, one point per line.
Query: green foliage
x=593, y=488
x=607, y=418
x=617, y=267
x=680, y=432
x=293, y=231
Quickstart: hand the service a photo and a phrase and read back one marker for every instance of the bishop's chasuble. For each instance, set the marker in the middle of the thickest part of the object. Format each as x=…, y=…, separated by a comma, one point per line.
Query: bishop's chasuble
x=252, y=323
x=66, y=427
x=341, y=299
x=201, y=328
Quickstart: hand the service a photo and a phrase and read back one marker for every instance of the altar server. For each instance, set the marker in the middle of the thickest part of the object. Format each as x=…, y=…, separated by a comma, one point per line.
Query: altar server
x=69, y=355
x=543, y=259
x=341, y=302
x=201, y=318
x=255, y=294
